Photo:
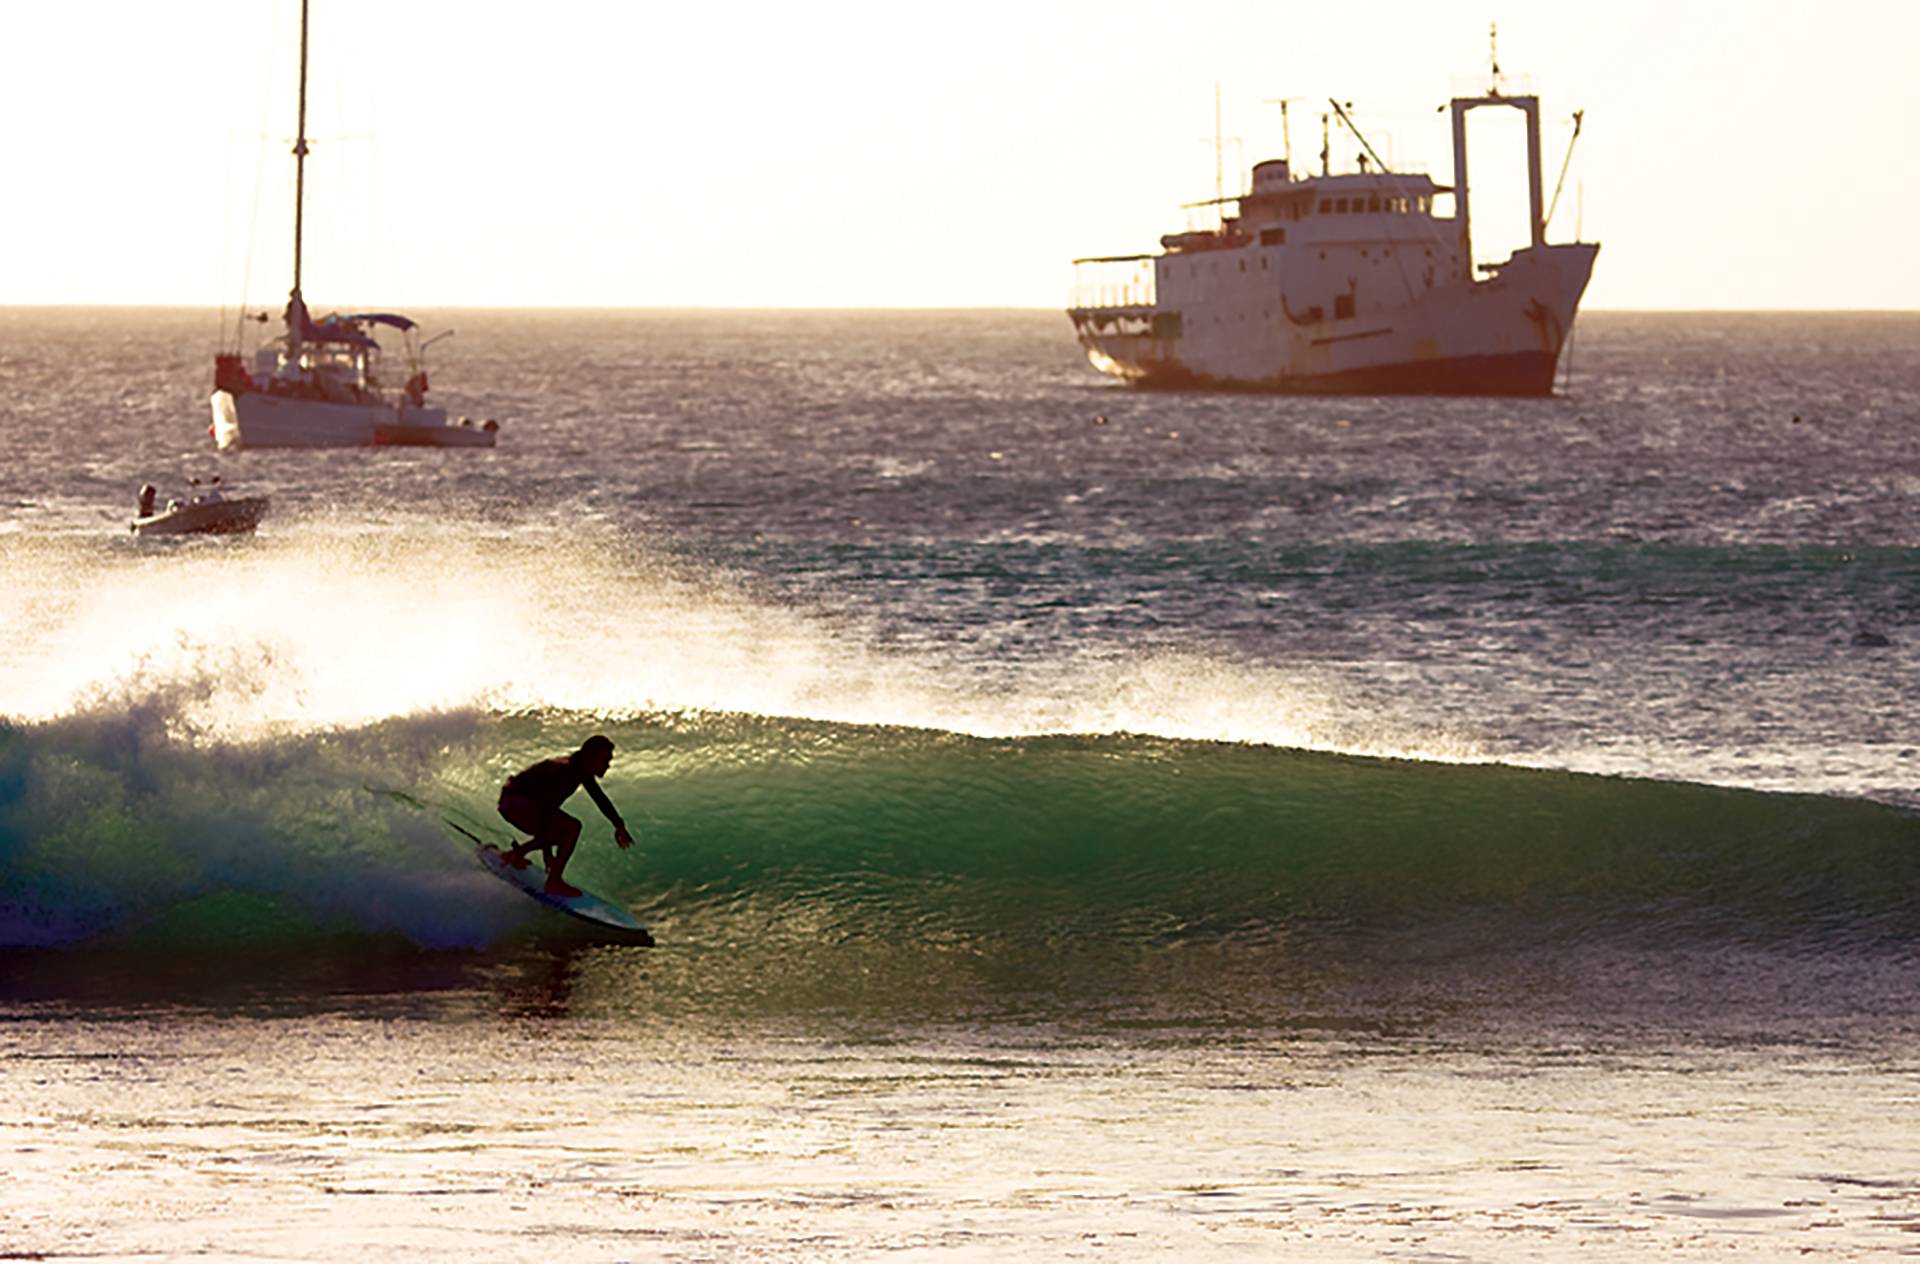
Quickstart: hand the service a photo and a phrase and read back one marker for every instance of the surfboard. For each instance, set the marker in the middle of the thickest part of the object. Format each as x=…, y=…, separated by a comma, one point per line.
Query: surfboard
x=605, y=915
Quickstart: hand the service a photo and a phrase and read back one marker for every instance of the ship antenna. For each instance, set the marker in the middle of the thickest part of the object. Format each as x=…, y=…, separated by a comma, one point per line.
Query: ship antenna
x=297, y=306
x=1326, y=145
x=1220, y=139
x=1493, y=57
x=1286, y=131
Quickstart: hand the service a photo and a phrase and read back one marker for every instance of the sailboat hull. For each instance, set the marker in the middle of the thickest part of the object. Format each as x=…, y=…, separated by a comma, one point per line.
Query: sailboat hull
x=255, y=419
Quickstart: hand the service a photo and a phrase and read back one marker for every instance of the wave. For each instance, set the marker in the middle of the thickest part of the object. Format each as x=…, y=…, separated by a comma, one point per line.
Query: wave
x=321, y=629
x=761, y=833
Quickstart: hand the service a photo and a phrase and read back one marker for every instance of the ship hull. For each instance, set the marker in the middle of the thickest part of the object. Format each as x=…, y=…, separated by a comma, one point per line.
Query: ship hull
x=256, y=419
x=1520, y=373
x=1501, y=336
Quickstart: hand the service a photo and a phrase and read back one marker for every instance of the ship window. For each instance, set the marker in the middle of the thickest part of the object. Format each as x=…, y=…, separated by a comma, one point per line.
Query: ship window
x=1373, y=203
x=1339, y=206
x=1343, y=307
x=1273, y=236
x=1243, y=265
x=1263, y=263
x=1326, y=206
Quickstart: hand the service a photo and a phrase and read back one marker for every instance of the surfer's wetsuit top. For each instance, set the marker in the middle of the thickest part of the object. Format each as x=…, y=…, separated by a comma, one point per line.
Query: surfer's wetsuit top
x=547, y=785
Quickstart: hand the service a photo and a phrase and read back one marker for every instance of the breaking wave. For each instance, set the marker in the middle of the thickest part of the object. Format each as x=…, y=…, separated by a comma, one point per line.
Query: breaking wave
x=761, y=831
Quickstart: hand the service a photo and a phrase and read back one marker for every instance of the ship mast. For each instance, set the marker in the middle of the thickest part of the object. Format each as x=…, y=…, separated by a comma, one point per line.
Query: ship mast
x=1219, y=144
x=296, y=306
x=1286, y=132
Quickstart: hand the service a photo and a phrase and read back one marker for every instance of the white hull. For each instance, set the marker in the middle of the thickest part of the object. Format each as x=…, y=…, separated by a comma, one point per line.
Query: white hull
x=1499, y=337
x=255, y=419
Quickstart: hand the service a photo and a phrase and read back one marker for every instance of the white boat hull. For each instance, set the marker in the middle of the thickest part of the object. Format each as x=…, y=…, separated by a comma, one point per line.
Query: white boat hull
x=1496, y=337
x=256, y=419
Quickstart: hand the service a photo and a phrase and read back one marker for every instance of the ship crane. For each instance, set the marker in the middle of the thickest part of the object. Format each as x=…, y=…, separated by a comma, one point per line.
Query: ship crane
x=1579, y=117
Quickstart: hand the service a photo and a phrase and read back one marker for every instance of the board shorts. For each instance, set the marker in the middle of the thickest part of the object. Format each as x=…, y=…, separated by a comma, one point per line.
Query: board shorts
x=527, y=814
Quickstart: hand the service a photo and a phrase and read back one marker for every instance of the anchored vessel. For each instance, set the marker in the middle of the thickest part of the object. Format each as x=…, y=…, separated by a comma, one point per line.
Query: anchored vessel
x=321, y=384
x=1340, y=284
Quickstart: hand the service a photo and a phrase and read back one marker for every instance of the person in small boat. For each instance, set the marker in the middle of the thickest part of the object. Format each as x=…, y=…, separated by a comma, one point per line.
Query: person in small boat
x=147, y=492
x=531, y=799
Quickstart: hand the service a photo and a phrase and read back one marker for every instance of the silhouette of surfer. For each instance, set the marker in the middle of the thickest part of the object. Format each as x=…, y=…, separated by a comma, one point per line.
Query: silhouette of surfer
x=531, y=799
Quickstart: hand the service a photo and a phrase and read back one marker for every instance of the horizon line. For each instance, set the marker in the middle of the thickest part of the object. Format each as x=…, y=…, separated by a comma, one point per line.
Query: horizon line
x=95, y=305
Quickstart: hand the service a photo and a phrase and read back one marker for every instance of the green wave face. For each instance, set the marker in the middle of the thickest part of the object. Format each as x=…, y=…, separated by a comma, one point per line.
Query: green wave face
x=767, y=836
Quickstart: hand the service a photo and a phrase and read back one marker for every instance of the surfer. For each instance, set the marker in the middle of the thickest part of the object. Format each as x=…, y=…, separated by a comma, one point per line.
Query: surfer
x=531, y=801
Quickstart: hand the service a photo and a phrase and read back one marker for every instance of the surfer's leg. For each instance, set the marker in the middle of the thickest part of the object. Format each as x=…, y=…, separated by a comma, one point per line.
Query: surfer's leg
x=524, y=814
x=563, y=833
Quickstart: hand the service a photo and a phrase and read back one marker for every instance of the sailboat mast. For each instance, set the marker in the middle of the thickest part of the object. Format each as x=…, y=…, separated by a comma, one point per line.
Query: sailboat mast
x=300, y=159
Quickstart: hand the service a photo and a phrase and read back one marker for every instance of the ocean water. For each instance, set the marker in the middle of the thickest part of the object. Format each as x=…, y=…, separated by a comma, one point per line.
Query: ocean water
x=1077, y=823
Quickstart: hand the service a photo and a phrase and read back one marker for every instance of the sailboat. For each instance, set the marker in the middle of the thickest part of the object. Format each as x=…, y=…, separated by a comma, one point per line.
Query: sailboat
x=322, y=384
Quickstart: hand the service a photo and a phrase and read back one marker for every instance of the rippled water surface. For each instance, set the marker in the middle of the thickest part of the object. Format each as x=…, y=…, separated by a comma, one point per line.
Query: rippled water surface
x=1077, y=823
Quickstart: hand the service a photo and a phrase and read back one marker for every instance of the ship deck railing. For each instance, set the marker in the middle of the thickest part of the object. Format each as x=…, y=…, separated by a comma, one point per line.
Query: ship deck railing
x=1114, y=281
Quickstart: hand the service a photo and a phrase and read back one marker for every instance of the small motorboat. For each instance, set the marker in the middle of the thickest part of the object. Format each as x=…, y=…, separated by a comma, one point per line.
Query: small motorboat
x=209, y=513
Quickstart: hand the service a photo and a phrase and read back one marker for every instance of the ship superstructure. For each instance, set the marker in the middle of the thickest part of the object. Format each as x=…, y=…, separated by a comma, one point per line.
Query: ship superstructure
x=1345, y=283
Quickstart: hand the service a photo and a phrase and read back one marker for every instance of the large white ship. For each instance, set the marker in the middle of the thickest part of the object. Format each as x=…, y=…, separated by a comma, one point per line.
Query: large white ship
x=1341, y=284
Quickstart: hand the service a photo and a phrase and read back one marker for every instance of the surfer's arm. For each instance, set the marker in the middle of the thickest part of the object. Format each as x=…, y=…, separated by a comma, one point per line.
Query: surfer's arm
x=600, y=800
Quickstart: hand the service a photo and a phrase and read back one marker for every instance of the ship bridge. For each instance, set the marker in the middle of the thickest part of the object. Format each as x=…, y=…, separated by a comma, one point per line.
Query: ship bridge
x=1389, y=205
x=1276, y=195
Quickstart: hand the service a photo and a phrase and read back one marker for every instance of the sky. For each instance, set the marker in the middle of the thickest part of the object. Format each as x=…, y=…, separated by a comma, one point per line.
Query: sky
x=848, y=153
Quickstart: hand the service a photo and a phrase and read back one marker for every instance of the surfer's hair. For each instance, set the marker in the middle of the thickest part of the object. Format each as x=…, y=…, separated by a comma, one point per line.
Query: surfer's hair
x=599, y=744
